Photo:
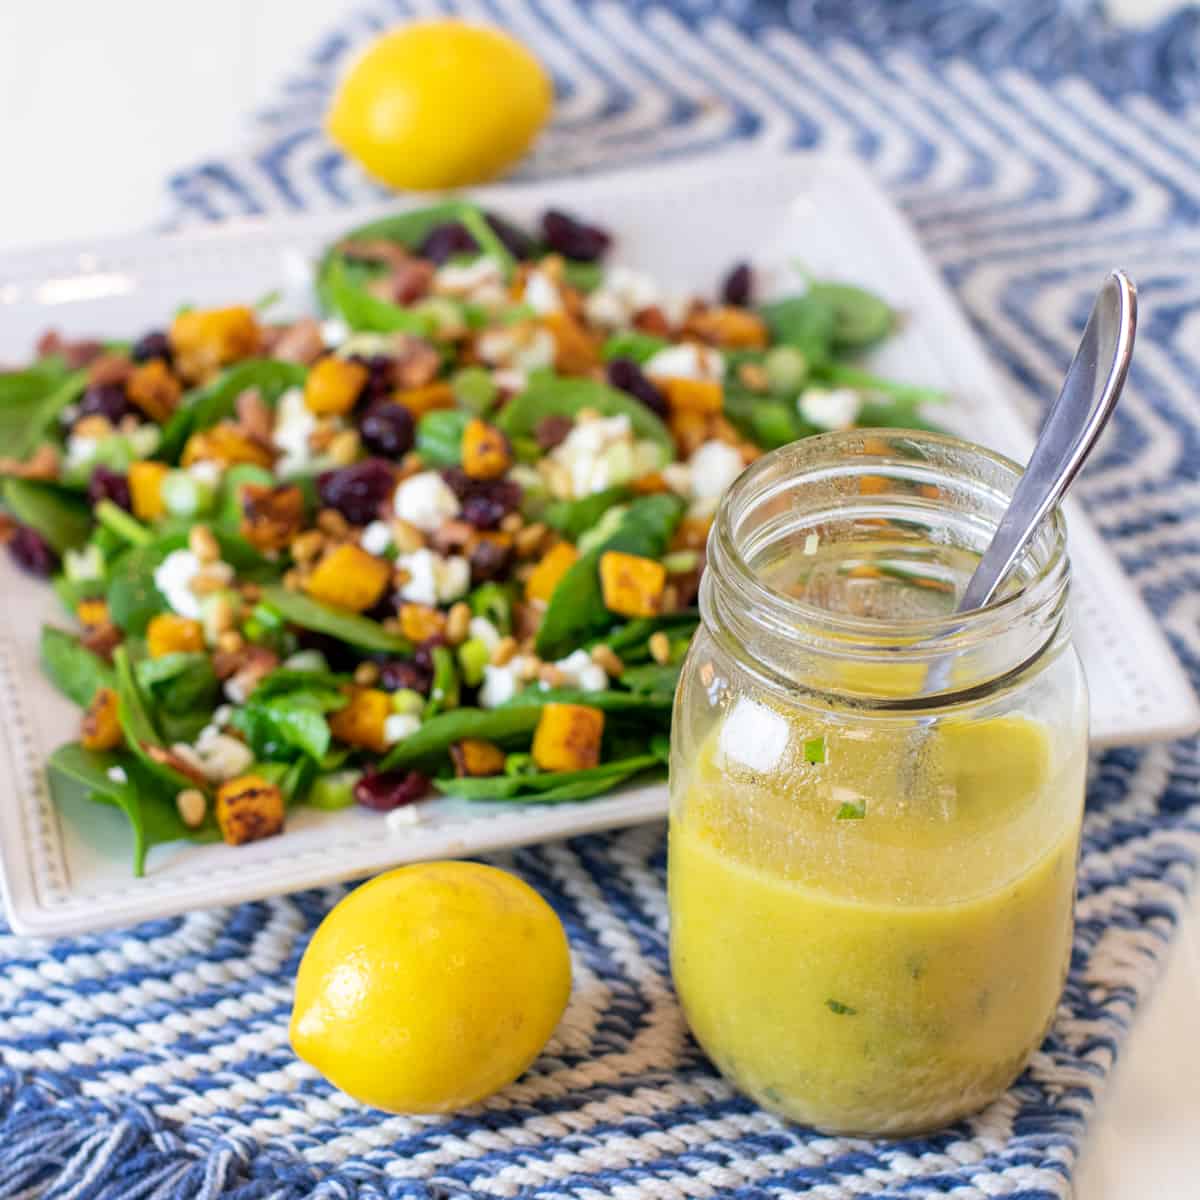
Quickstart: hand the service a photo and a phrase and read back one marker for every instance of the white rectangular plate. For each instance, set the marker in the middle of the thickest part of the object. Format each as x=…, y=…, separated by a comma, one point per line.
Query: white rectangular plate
x=67, y=872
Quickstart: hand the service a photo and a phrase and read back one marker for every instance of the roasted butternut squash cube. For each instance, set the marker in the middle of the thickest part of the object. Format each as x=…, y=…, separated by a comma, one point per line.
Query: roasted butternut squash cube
x=334, y=385
x=485, y=450
x=249, y=808
x=419, y=622
x=361, y=722
x=348, y=577
x=425, y=399
x=226, y=444
x=554, y=564
x=473, y=757
x=632, y=585
x=689, y=430
x=575, y=350
x=169, y=634
x=91, y=613
x=567, y=737
x=692, y=395
x=271, y=516
x=154, y=389
x=101, y=728
x=206, y=339
x=730, y=327
x=145, y=489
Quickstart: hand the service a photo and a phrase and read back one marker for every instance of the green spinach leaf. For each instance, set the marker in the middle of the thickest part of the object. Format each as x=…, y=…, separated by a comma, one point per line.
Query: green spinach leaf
x=61, y=516
x=72, y=667
x=353, y=629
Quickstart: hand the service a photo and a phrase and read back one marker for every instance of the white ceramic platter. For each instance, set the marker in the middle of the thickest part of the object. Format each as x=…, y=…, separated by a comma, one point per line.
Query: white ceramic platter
x=67, y=872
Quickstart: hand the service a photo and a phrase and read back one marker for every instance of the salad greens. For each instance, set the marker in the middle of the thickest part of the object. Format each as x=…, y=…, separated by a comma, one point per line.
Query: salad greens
x=445, y=540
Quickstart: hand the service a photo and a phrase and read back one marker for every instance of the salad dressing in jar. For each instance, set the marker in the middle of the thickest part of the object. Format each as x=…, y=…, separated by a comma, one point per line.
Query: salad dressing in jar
x=872, y=889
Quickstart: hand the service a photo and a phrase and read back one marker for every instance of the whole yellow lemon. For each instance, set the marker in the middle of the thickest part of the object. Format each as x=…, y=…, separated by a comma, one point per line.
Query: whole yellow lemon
x=431, y=987
x=439, y=104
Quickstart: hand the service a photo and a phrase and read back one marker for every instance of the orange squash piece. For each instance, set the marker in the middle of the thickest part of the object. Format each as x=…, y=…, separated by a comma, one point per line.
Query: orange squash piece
x=692, y=395
x=473, y=757
x=554, y=564
x=249, y=808
x=632, y=586
x=568, y=737
x=206, y=339
x=348, y=577
x=169, y=634
x=154, y=389
x=575, y=350
x=485, y=450
x=362, y=721
x=419, y=622
x=427, y=398
x=145, y=489
x=333, y=385
x=227, y=444
x=101, y=728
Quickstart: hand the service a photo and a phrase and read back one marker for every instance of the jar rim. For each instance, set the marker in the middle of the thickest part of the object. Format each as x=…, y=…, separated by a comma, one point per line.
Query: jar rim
x=858, y=452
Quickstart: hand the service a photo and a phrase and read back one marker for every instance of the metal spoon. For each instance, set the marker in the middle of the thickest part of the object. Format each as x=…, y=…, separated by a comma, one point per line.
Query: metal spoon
x=1089, y=395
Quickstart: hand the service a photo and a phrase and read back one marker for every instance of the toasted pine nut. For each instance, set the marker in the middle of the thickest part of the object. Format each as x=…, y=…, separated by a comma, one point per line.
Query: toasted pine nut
x=307, y=545
x=458, y=623
x=330, y=521
x=506, y=647
x=343, y=448
x=203, y=545
x=512, y=522
x=607, y=659
x=366, y=673
x=531, y=666
x=191, y=806
x=660, y=648
x=405, y=536
x=528, y=541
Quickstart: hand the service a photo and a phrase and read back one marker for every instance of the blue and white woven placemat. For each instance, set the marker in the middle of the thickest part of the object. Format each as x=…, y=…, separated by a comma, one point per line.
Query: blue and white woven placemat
x=1033, y=147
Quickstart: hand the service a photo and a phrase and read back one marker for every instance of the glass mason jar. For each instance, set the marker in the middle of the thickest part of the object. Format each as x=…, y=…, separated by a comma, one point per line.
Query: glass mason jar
x=871, y=887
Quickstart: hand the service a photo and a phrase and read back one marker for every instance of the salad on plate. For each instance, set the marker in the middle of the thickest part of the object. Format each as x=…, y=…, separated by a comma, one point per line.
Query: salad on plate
x=445, y=538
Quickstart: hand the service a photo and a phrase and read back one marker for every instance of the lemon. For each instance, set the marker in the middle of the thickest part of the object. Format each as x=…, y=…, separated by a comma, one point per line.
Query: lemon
x=431, y=987
x=439, y=104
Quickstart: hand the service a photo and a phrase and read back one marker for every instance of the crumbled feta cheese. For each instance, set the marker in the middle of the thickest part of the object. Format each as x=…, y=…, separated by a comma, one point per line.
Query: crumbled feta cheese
x=526, y=348
x=144, y=440
x=621, y=295
x=85, y=563
x=334, y=332
x=542, y=294
x=678, y=477
x=754, y=736
x=686, y=361
x=582, y=673
x=404, y=817
x=537, y=351
x=173, y=578
x=399, y=726
x=204, y=472
x=714, y=466
x=426, y=501
x=376, y=537
x=81, y=449
x=501, y=684
x=464, y=279
x=587, y=454
x=69, y=415
x=835, y=408
x=294, y=424
x=510, y=379
x=482, y=630
x=117, y=774
x=221, y=756
x=433, y=579
x=224, y=712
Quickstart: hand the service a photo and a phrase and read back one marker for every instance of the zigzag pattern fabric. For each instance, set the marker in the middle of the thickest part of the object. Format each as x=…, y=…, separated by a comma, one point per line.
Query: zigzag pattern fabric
x=1033, y=148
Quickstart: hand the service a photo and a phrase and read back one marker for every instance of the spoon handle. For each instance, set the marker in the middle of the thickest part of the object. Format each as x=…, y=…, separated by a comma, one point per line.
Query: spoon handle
x=1089, y=395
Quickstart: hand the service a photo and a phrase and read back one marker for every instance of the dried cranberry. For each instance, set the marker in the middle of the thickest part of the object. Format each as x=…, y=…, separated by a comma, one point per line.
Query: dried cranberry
x=485, y=502
x=552, y=431
x=109, y=485
x=357, y=491
x=443, y=242
x=31, y=552
x=151, y=345
x=387, y=428
x=384, y=790
x=399, y=673
x=488, y=559
x=381, y=377
x=573, y=238
x=105, y=400
x=739, y=285
x=625, y=374
x=516, y=241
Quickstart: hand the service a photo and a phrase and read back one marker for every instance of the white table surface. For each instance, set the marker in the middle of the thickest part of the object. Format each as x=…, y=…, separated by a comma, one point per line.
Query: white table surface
x=98, y=104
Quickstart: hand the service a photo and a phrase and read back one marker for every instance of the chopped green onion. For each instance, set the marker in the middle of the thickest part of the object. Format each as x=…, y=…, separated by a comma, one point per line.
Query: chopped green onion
x=787, y=370
x=814, y=750
x=519, y=764
x=473, y=388
x=842, y=1010
x=851, y=812
x=118, y=521
x=407, y=701
x=473, y=656
x=335, y=790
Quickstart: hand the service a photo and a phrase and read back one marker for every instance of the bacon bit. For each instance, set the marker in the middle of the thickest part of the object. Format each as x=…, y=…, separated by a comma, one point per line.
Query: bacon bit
x=176, y=762
x=300, y=342
x=43, y=464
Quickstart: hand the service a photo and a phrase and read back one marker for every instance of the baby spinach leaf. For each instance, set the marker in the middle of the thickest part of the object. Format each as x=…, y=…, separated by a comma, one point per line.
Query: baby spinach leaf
x=137, y=724
x=61, y=516
x=528, y=787
x=133, y=598
x=573, y=518
x=435, y=735
x=652, y=679
x=147, y=804
x=578, y=789
x=342, y=292
x=440, y=435
x=633, y=344
x=444, y=692
x=325, y=684
x=634, y=635
x=122, y=525
x=32, y=399
x=72, y=667
x=860, y=318
x=180, y=683
x=582, y=276
x=611, y=701
x=217, y=400
x=353, y=629
x=576, y=610
x=549, y=395
x=803, y=321
x=293, y=719
x=843, y=375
